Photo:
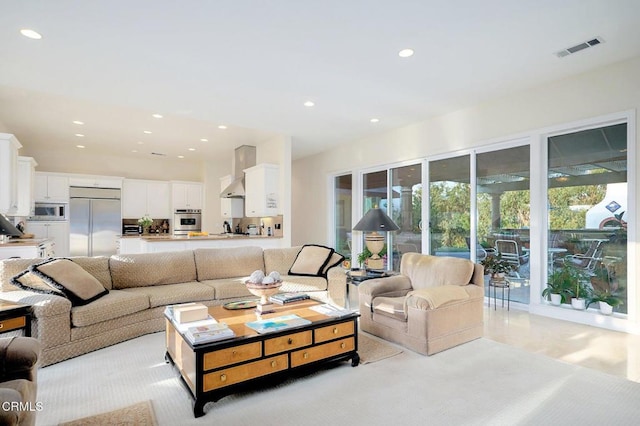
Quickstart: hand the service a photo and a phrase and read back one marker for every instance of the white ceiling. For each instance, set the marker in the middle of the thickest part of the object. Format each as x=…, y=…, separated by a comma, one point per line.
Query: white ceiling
x=252, y=64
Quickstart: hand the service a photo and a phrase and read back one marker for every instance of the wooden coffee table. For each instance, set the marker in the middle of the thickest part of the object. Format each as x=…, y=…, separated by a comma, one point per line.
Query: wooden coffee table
x=211, y=371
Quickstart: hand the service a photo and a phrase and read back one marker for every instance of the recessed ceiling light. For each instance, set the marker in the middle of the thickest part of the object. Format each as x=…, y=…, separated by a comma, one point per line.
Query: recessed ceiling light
x=78, y=122
x=374, y=120
x=180, y=156
x=80, y=135
x=134, y=150
x=147, y=132
x=31, y=34
x=405, y=53
x=204, y=140
x=80, y=146
x=222, y=127
x=157, y=116
x=140, y=143
x=309, y=104
x=192, y=149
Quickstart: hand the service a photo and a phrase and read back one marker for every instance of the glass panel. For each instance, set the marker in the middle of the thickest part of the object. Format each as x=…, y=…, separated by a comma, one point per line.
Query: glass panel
x=504, y=215
x=343, y=196
x=449, y=206
x=587, y=196
x=406, y=211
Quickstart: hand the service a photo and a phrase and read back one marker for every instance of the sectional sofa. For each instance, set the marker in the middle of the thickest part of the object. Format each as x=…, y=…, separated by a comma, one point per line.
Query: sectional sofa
x=134, y=290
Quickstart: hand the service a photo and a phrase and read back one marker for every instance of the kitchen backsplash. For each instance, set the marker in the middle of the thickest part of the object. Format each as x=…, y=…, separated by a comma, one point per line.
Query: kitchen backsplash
x=263, y=224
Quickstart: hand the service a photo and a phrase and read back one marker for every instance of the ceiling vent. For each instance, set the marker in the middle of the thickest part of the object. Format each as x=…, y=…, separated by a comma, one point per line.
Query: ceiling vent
x=578, y=47
x=159, y=154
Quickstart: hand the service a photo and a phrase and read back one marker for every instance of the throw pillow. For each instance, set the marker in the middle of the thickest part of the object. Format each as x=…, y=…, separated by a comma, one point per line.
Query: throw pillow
x=311, y=260
x=335, y=260
x=27, y=280
x=79, y=286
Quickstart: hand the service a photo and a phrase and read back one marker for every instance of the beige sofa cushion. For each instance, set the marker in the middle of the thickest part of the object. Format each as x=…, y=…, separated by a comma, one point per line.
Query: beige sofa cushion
x=98, y=267
x=217, y=263
x=9, y=268
x=435, y=297
x=116, y=304
x=147, y=269
x=432, y=271
x=296, y=283
x=162, y=295
x=280, y=259
x=228, y=288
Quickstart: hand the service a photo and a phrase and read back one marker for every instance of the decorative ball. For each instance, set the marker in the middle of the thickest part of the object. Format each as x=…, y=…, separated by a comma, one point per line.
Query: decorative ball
x=268, y=280
x=275, y=275
x=256, y=276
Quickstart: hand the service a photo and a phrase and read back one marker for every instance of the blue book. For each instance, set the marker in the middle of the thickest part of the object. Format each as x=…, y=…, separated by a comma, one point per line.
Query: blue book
x=278, y=323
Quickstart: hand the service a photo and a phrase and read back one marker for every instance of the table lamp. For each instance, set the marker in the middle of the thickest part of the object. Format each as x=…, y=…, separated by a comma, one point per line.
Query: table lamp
x=375, y=221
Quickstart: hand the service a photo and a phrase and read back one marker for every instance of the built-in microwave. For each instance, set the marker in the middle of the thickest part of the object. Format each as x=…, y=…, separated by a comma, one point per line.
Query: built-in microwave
x=50, y=211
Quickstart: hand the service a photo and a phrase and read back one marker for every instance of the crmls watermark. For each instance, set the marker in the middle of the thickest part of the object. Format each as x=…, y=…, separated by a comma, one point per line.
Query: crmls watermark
x=22, y=406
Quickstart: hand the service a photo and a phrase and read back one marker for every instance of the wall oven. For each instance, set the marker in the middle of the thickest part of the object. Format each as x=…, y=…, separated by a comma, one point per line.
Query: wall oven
x=187, y=220
x=50, y=211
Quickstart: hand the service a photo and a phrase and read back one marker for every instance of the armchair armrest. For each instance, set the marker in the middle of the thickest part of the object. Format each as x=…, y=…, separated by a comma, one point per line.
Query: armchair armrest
x=435, y=297
x=394, y=286
x=18, y=358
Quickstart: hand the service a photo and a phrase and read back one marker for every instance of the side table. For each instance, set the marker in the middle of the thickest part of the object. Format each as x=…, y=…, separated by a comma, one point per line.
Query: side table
x=15, y=316
x=503, y=284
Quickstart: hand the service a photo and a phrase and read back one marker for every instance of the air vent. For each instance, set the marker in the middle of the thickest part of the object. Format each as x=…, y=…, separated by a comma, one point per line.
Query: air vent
x=578, y=47
x=159, y=154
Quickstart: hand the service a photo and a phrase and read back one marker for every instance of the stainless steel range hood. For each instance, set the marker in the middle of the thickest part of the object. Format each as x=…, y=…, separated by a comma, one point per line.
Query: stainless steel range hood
x=243, y=158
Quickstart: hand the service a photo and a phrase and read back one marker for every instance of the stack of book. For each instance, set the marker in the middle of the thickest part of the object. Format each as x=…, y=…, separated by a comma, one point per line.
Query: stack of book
x=284, y=298
x=208, y=333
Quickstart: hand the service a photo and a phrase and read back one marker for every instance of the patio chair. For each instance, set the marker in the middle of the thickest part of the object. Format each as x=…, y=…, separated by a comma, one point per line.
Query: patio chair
x=512, y=253
x=586, y=261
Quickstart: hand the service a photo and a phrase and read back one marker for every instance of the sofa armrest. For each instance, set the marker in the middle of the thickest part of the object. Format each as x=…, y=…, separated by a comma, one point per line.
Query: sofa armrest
x=18, y=358
x=42, y=305
x=337, y=285
x=394, y=286
x=436, y=297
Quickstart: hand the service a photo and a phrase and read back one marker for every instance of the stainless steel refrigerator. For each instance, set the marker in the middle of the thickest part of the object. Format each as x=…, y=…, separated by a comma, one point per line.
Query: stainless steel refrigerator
x=95, y=221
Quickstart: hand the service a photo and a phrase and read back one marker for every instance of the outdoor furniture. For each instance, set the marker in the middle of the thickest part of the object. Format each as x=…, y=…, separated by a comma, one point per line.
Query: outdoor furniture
x=511, y=252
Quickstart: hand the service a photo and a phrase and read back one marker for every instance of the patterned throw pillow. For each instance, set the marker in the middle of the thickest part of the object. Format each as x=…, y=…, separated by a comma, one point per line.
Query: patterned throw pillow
x=79, y=286
x=335, y=260
x=27, y=280
x=311, y=260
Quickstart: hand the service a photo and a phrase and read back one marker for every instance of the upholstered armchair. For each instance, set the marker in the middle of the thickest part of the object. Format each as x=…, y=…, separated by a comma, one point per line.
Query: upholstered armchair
x=18, y=359
x=435, y=303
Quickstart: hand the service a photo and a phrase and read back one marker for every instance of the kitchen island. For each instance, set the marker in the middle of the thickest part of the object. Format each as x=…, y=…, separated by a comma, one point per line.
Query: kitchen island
x=164, y=243
x=27, y=248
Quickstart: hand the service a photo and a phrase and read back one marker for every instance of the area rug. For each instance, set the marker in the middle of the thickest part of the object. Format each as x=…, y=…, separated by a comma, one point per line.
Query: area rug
x=140, y=414
x=372, y=349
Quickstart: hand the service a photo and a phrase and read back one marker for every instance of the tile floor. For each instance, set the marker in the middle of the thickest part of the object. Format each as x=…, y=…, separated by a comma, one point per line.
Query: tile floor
x=612, y=352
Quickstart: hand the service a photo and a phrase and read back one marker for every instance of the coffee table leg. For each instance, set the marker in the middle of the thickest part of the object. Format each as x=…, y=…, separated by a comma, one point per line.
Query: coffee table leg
x=355, y=359
x=198, y=407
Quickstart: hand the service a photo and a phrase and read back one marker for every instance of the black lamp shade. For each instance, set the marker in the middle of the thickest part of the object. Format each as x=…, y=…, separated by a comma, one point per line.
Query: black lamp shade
x=376, y=220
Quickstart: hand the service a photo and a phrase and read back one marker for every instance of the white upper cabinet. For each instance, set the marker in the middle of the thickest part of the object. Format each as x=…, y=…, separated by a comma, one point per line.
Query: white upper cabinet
x=9, y=147
x=145, y=198
x=26, y=184
x=261, y=190
x=186, y=195
x=230, y=207
x=51, y=187
x=90, y=181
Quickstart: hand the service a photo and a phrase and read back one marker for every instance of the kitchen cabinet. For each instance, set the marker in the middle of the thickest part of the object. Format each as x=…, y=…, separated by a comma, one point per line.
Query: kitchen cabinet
x=90, y=181
x=186, y=195
x=146, y=198
x=26, y=184
x=9, y=147
x=51, y=187
x=57, y=231
x=261, y=190
x=230, y=207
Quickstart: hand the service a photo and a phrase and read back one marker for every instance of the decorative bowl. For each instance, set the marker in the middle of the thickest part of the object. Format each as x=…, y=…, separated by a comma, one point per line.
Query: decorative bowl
x=263, y=290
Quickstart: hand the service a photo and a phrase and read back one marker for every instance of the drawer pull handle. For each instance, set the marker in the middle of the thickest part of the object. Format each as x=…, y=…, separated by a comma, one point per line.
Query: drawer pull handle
x=1, y=326
x=305, y=355
x=290, y=341
x=335, y=330
x=223, y=377
x=234, y=353
x=343, y=345
x=274, y=364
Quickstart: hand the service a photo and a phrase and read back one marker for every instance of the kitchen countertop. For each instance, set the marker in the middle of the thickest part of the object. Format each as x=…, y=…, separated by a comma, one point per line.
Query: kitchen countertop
x=25, y=242
x=162, y=238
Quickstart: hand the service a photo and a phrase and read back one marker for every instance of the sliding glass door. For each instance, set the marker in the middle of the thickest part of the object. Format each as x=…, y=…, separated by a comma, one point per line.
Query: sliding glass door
x=343, y=190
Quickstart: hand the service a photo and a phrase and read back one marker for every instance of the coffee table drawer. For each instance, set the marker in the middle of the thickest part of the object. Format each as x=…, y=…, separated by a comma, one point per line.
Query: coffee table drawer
x=336, y=331
x=232, y=355
x=287, y=343
x=319, y=352
x=12, y=324
x=241, y=373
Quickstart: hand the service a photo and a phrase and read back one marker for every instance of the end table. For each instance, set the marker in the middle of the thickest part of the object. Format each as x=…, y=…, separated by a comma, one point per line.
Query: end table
x=15, y=316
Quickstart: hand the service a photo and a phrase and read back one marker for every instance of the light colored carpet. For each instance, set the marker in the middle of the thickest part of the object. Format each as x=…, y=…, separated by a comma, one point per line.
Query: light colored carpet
x=372, y=349
x=140, y=414
x=478, y=383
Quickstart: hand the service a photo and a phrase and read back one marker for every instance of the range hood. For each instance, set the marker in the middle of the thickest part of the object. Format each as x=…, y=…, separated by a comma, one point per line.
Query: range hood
x=243, y=158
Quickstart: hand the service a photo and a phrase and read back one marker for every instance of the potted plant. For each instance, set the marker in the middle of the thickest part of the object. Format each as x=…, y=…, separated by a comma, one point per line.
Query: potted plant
x=495, y=266
x=606, y=301
x=558, y=286
x=580, y=292
x=145, y=222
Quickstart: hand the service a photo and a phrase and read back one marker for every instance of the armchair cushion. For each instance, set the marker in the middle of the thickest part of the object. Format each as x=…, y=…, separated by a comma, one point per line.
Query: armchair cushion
x=431, y=271
x=394, y=286
x=435, y=297
x=394, y=307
